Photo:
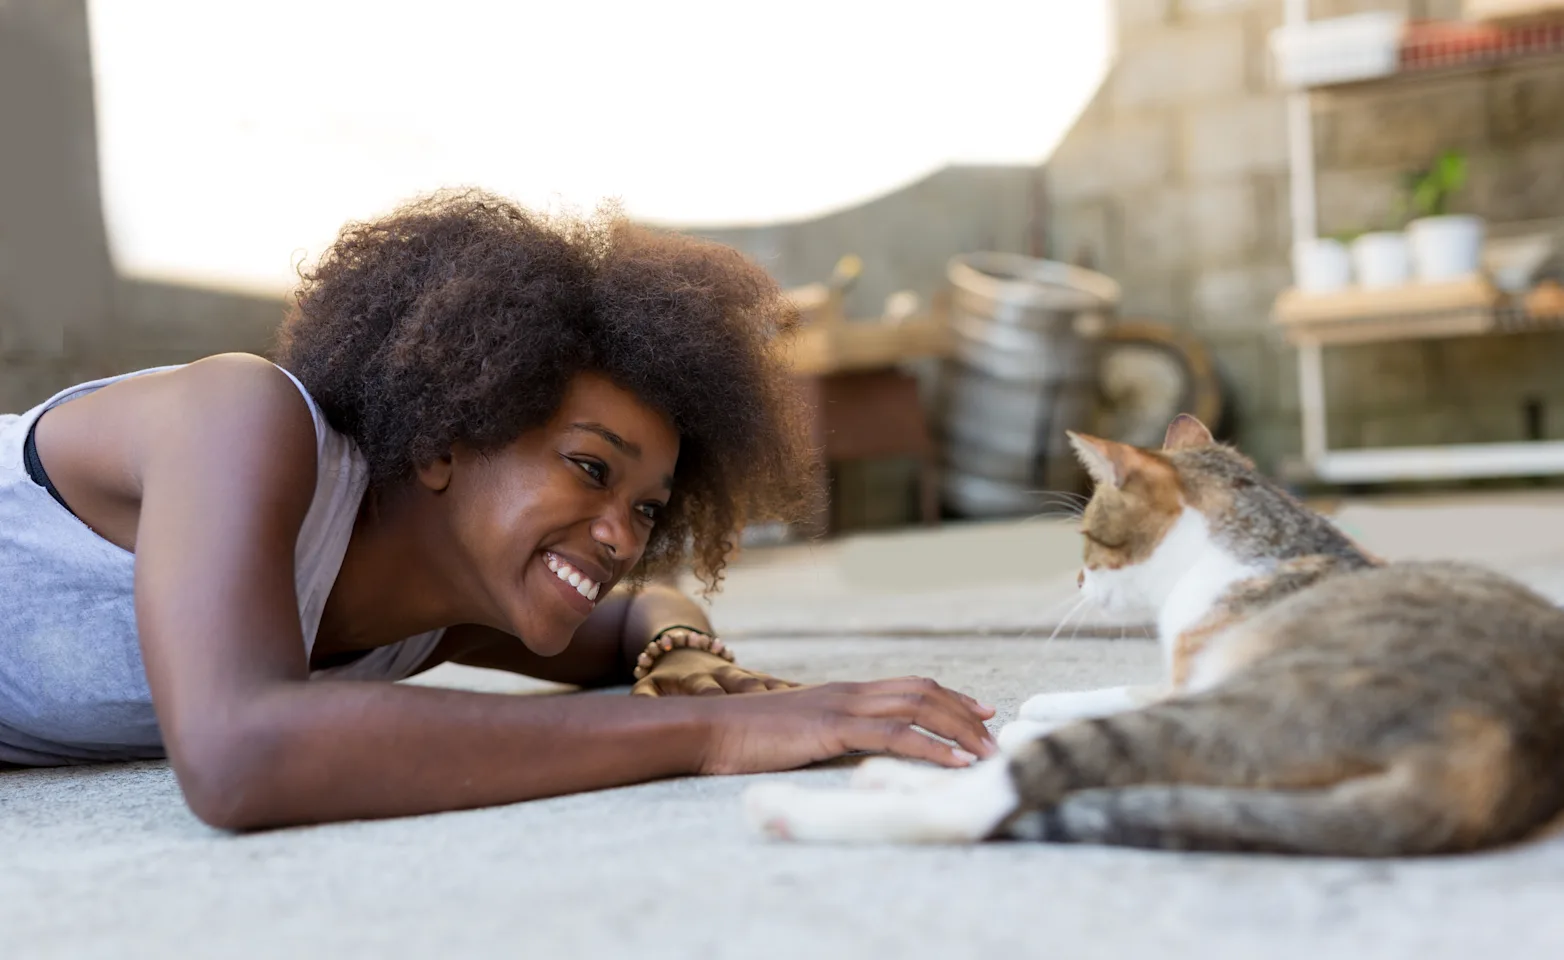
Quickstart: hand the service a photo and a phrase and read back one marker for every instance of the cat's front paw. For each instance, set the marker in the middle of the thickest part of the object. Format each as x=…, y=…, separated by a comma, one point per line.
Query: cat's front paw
x=1062, y=708
x=888, y=773
x=1013, y=736
x=767, y=805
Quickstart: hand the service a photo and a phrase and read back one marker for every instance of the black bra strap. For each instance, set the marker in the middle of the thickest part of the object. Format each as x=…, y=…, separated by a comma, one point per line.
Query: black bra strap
x=35, y=470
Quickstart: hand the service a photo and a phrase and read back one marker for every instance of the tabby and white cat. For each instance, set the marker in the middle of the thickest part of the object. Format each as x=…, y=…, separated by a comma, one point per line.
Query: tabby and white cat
x=1318, y=701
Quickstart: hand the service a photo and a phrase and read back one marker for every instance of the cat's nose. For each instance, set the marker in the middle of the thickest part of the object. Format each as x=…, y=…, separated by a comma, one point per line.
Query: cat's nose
x=1080, y=578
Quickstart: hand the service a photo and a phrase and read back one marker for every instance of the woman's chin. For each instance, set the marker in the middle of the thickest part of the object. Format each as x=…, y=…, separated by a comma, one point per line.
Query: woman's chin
x=546, y=645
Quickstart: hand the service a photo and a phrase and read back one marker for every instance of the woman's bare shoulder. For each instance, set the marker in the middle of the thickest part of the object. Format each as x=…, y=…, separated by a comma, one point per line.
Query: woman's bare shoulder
x=234, y=393
x=235, y=405
x=233, y=421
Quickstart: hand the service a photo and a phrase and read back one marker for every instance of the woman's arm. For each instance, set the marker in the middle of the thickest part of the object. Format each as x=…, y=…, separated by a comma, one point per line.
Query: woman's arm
x=227, y=471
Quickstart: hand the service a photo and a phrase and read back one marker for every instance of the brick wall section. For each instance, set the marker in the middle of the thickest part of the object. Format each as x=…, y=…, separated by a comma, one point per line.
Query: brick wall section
x=1175, y=182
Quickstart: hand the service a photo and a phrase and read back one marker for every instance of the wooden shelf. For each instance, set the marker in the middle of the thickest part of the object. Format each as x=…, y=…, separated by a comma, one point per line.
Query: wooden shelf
x=1471, y=307
x=1424, y=311
x=1414, y=312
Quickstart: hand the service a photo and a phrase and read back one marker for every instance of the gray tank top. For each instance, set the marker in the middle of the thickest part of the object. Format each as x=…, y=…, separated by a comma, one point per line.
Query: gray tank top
x=72, y=685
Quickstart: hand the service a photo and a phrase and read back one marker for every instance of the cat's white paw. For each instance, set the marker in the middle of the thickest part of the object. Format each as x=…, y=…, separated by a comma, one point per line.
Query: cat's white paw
x=963, y=807
x=1012, y=736
x=887, y=773
x=1062, y=708
x=783, y=811
x=766, y=807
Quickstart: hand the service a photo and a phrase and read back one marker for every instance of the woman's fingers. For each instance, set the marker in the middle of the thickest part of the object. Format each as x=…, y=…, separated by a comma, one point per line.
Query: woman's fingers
x=930, y=706
x=703, y=685
x=898, y=738
x=734, y=680
x=981, y=709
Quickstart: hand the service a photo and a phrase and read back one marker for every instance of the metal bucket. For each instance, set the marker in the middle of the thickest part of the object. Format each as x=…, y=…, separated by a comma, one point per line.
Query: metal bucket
x=1023, y=370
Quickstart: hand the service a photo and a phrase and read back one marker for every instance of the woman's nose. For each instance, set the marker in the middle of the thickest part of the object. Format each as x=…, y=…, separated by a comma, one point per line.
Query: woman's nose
x=614, y=531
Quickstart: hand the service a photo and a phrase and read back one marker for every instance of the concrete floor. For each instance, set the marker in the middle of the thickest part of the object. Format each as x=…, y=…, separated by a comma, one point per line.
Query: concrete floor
x=106, y=862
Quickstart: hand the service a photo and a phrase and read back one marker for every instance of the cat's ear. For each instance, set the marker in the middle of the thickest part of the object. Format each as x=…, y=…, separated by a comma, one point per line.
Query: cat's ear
x=1185, y=432
x=1106, y=461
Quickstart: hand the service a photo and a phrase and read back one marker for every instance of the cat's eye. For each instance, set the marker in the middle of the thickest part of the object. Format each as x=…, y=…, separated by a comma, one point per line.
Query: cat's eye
x=1099, y=541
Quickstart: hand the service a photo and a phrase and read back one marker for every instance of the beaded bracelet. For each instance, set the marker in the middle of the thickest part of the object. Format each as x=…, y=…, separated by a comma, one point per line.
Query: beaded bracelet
x=676, y=636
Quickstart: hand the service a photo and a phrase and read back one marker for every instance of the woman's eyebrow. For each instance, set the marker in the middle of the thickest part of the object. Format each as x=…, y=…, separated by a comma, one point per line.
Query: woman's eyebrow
x=620, y=443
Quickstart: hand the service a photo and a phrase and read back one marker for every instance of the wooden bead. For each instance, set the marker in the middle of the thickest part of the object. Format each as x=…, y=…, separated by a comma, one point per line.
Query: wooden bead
x=667, y=642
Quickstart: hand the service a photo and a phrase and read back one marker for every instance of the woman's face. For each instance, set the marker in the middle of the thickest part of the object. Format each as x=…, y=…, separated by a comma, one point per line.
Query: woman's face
x=549, y=524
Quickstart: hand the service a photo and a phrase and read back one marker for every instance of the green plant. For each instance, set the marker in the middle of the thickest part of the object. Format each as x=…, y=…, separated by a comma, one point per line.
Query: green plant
x=1428, y=191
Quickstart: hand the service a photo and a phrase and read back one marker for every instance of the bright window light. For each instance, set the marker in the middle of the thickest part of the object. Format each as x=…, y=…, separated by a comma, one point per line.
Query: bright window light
x=236, y=137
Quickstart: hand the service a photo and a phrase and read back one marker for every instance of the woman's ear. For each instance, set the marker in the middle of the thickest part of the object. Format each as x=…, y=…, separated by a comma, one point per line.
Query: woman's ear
x=436, y=474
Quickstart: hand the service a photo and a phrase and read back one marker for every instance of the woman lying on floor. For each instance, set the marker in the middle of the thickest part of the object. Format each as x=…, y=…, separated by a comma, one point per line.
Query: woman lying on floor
x=486, y=430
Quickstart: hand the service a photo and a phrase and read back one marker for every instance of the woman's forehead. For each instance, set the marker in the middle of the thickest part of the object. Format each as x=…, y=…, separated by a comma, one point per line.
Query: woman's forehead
x=596, y=405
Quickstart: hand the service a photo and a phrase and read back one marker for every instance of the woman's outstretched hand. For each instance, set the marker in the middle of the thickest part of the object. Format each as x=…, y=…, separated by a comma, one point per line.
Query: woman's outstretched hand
x=784, y=729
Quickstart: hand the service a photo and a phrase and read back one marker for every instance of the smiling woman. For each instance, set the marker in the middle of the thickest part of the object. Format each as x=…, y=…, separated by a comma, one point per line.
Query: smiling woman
x=485, y=432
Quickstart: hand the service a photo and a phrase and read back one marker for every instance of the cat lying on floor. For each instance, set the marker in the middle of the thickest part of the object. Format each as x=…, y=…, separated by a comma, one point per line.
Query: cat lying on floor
x=1318, y=701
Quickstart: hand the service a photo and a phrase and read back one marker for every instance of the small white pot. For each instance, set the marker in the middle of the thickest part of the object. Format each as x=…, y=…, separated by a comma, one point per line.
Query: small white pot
x=1382, y=259
x=1321, y=265
x=1446, y=248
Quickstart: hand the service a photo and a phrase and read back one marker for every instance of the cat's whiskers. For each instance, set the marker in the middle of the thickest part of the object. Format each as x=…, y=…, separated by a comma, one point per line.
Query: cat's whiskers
x=1079, y=603
x=1043, y=616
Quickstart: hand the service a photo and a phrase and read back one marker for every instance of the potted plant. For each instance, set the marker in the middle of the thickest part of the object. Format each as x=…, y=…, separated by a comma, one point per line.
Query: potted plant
x=1321, y=265
x=1381, y=258
x=1444, y=246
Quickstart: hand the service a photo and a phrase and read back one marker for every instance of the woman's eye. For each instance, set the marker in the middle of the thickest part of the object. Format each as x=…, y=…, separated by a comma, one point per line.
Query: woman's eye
x=651, y=511
x=593, y=469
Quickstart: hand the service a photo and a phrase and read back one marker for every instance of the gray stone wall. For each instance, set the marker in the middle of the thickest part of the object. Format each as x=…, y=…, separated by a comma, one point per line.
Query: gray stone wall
x=1175, y=182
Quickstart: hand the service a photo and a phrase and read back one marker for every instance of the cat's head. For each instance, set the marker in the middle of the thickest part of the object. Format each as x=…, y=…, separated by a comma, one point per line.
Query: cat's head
x=1152, y=513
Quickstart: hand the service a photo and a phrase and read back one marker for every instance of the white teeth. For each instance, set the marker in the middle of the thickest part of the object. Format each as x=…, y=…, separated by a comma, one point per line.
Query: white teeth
x=585, y=586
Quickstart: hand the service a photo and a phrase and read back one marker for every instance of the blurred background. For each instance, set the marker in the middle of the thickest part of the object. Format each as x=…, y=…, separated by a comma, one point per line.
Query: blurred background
x=1330, y=228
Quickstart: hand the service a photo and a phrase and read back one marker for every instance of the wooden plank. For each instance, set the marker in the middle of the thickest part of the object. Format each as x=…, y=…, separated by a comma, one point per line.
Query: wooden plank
x=1465, y=323
x=1356, y=304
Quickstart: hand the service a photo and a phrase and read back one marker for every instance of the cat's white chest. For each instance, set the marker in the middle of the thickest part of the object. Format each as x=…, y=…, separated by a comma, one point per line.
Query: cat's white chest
x=1195, y=572
x=1199, y=589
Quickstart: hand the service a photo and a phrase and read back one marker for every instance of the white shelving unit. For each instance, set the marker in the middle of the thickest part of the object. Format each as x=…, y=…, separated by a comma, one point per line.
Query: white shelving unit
x=1427, y=312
